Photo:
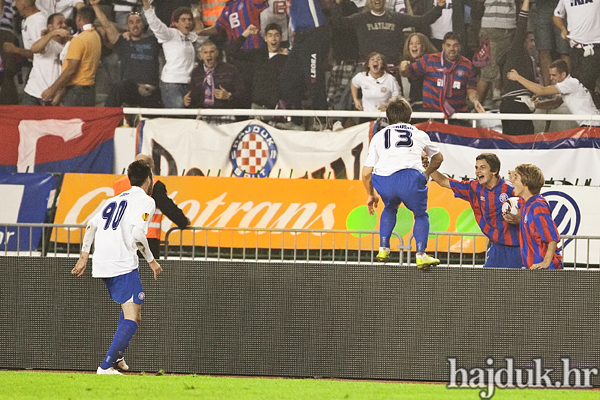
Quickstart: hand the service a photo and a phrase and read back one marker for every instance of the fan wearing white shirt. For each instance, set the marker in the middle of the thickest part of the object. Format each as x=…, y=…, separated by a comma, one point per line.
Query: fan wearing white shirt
x=575, y=96
x=33, y=24
x=119, y=230
x=180, y=55
x=46, y=60
x=376, y=85
x=64, y=7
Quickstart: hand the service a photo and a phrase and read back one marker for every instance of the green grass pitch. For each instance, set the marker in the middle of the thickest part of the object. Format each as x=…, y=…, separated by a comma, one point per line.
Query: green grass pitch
x=51, y=385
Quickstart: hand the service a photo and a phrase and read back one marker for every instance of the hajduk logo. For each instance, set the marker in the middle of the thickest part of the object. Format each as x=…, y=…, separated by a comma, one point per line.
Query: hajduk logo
x=253, y=153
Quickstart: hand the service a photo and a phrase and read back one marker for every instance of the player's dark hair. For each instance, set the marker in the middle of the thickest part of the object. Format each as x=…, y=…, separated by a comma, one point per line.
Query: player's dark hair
x=50, y=20
x=273, y=27
x=451, y=36
x=374, y=54
x=86, y=14
x=561, y=66
x=531, y=176
x=138, y=171
x=398, y=110
x=179, y=11
x=492, y=160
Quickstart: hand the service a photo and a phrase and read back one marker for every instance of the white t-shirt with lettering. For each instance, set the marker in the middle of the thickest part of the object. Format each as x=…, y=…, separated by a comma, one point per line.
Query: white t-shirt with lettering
x=398, y=147
x=583, y=20
x=577, y=99
x=116, y=251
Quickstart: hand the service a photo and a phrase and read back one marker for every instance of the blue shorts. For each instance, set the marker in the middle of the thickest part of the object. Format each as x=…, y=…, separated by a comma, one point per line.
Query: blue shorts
x=407, y=186
x=502, y=256
x=125, y=288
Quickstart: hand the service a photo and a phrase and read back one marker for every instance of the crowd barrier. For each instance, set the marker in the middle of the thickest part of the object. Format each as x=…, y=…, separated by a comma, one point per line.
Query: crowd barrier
x=298, y=246
x=364, y=321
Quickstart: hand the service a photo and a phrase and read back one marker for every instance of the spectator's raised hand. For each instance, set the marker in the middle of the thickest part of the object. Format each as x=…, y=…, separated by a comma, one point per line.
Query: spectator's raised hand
x=403, y=67
x=512, y=75
x=250, y=30
x=441, y=3
x=94, y=2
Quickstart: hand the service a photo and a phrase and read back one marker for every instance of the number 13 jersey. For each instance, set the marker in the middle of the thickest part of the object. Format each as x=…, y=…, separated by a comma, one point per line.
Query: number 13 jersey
x=398, y=147
x=115, y=249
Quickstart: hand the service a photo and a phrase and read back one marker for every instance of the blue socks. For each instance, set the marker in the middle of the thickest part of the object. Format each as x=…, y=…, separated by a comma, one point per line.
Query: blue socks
x=420, y=228
x=386, y=226
x=421, y=232
x=123, y=335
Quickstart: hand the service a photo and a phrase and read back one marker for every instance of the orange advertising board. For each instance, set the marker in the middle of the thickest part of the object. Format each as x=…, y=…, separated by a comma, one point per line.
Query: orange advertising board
x=244, y=203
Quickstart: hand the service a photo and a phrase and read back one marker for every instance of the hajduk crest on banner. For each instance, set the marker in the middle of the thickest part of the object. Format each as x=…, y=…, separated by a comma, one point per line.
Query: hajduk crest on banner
x=253, y=153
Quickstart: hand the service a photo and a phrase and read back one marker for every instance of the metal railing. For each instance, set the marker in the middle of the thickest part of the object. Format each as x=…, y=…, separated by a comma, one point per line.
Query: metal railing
x=44, y=246
x=277, y=250
x=333, y=246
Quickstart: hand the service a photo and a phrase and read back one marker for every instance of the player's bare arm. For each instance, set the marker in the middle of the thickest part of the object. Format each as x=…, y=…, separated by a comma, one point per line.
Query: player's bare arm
x=372, y=199
x=434, y=164
x=88, y=239
x=547, y=258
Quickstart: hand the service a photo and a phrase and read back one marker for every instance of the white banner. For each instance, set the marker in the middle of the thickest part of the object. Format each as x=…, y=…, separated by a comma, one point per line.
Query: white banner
x=253, y=148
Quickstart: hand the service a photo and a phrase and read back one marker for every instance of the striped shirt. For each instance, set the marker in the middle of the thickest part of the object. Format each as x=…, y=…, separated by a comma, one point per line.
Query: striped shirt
x=500, y=14
x=487, y=208
x=237, y=16
x=431, y=68
x=6, y=22
x=537, y=229
x=305, y=15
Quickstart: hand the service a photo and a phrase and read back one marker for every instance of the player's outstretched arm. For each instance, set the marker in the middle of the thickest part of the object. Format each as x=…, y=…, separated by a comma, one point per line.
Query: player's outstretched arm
x=88, y=239
x=142, y=245
x=441, y=179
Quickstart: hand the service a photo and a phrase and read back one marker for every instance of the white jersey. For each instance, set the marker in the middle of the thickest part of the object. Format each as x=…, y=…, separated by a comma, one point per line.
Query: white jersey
x=577, y=99
x=376, y=92
x=398, y=147
x=116, y=251
x=583, y=20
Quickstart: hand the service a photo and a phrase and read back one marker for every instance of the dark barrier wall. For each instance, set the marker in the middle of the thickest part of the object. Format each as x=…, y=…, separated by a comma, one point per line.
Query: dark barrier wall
x=377, y=322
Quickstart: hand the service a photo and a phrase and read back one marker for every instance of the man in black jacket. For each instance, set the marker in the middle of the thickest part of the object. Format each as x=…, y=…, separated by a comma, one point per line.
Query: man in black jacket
x=268, y=62
x=214, y=84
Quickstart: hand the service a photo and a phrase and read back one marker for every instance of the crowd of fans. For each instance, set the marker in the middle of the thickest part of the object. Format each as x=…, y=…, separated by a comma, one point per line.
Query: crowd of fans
x=442, y=55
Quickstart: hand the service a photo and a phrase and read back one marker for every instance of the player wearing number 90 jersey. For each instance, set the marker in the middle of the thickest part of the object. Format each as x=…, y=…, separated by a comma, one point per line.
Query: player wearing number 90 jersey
x=394, y=168
x=119, y=230
x=116, y=251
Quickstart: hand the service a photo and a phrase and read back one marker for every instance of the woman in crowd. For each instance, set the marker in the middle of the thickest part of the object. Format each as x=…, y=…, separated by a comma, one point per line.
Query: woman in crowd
x=415, y=47
x=376, y=85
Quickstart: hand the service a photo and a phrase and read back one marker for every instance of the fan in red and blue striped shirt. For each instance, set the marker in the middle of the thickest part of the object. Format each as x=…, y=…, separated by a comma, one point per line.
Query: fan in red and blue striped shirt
x=486, y=195
x=237, y=16
x=537, y=230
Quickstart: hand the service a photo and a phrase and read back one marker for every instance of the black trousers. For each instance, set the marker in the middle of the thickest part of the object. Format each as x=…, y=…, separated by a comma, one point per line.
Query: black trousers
x=510, y=106
x=303, y=76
